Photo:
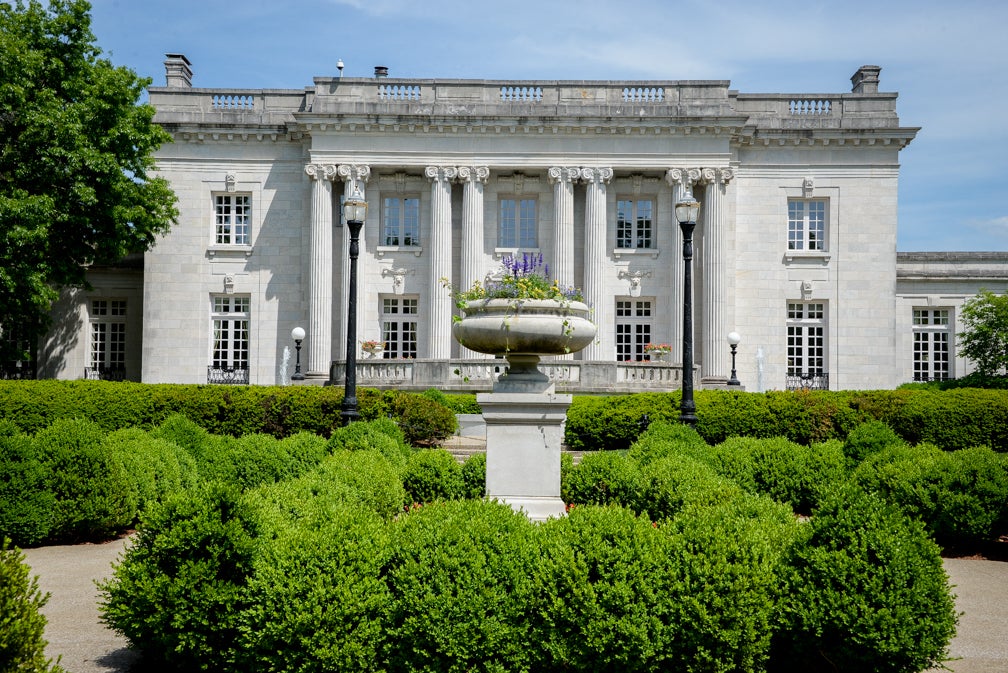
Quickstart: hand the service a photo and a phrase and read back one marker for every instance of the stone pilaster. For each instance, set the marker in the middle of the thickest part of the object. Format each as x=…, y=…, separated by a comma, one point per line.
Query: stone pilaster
x=320, y=289
x=603, y=348
x=715, y=359
x=439, y=314
x=563, y=179
x=353, y=175
x=682, y=181
x=472, y=178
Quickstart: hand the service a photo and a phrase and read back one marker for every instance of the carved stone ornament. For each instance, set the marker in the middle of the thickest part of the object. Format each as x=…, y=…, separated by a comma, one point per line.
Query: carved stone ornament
x=635, y=278
x=398, y=279
x=684, y=177
x=808, y=186
x=229, y=182
x=400, y=182
x=320, y=171
x=356, y=172
x=440, y=173
x=564, y=173
x=229, y=283
x=473, y=173
x=806, y=289
x=600, y=175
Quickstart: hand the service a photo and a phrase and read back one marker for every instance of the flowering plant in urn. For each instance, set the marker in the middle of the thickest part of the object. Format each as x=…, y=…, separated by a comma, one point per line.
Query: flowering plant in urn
x=523, y=314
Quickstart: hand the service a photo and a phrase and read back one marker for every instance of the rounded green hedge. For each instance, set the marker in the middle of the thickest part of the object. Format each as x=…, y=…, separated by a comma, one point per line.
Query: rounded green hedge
x=22, y=624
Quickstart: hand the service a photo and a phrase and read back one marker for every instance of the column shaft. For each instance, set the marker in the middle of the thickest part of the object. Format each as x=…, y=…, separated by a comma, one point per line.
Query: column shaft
x=715, y=363
x=440, y=312
x=603, y=347
x=320, y=294
x=562, y=268
x=471, y=267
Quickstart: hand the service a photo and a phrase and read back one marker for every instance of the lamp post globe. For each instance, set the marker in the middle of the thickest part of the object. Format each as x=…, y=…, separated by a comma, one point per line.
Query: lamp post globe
x=686, y=211
x=354, y=212
x=733, y=341
x=298, y=334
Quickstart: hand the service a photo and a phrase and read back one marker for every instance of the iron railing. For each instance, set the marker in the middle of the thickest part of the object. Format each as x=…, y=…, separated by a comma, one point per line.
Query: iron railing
x=102, y=373
x=808, y=381
x=227, y=376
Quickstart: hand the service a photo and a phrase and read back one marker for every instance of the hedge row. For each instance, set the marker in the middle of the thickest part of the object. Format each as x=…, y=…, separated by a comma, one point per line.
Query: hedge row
x=73, y=481
x=951, y=419
x=221, y=410
x=321, y=573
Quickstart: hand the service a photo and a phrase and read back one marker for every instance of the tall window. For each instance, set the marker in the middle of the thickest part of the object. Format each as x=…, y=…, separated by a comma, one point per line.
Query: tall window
x=233, y=213
x=931, y=332
x=806, y=345
x=633, y=329
x=229, y=357
x=807, y=224
x=399, y=327
x=108, y=339
x=401, y=221
x=634, y=223
x=518, y=224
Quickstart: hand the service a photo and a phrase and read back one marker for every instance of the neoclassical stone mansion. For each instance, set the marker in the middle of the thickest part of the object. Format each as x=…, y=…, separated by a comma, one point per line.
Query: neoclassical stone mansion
x=795, y=243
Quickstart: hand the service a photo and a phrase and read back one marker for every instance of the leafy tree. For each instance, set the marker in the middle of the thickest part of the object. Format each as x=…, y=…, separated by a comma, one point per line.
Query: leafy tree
x=985, y=337
x=75, y=155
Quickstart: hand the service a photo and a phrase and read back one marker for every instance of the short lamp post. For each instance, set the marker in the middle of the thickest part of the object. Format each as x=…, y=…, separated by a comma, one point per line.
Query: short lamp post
x=733, y=340
x=354, y=212
x=686, y=211
x=298, y=334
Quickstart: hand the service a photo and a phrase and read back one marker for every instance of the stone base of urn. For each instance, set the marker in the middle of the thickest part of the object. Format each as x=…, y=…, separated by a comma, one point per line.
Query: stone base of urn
x=524, y=432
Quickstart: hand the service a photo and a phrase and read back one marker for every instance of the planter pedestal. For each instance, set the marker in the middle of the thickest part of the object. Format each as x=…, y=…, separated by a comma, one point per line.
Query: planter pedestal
x=524, y=432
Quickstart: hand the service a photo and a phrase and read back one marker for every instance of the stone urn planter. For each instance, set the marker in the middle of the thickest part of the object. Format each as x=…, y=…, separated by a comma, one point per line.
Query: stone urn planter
x=522, y=330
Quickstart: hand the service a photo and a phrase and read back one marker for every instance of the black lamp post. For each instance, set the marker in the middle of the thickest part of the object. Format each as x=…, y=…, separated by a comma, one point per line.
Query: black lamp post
x=686, y=213
x=733, y=340
x=354, y=212
x=298, y=335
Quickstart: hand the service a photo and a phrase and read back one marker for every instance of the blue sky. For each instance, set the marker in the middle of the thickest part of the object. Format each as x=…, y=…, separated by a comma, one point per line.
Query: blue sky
x=948, y=61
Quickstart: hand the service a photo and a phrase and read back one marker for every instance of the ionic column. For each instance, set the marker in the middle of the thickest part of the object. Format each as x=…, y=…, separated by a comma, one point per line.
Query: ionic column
x=563, y=178
x=714, y=321
x=440, y=313
x=320, y=290
x=602, y=348
x=471, y=268
x=353, y=175
x=681, y=180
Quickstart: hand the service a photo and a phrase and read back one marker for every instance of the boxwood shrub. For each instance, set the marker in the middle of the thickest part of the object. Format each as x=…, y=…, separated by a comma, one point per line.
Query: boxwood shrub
x=22, y=646
x=677, y=483
x=27, y=504
x=602, y=478
x=863, y=591
x=432, y=474
x=474, y=476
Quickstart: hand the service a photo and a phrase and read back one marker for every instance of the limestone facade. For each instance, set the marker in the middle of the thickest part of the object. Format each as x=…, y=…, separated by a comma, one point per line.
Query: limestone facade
x=795, y=244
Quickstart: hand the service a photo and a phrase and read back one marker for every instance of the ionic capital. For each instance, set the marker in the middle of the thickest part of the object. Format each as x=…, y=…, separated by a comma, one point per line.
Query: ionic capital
x=440, y=173
x=596, y=175
x=564, y=174
x=684, y=177
x=718, y=176
x=357, y=172
x=320, y=171
x=473, y=173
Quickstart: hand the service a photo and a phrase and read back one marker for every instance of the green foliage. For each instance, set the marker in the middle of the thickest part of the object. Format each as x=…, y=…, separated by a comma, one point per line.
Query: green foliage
x=867, y=439
x=781, y=469
x=864, y=591
x=474, y=476
x=961, y=497
x=180, y=588
x=433, y=474
x=26, y=503
x=76, y=158
x=156, y=467
x=22, y=646
x=613, y=423
x=459, y=403
x=461, y=579
x=94, y=495
x=424, y=421
x=678, y=482
x=664, y=438
x=602, y=478
x=984, y=338
x=382, y=435
x=954, y=419
x=317, y=600
x=305, y=451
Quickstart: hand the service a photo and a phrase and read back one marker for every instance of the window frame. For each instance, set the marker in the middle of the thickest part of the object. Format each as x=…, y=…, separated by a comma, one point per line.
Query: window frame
x=235, y=365
x=517, y=222
x=633, y=330
x=635, y=226
x=107, y=337
x=236, y=241
x=807, y=340
x=384, y=237
x=938, y=352
x=402, y=341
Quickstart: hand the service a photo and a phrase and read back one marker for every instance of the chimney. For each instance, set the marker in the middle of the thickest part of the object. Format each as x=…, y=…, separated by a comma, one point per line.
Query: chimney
x=178, y=74
x=865, y=80
x=380, y=71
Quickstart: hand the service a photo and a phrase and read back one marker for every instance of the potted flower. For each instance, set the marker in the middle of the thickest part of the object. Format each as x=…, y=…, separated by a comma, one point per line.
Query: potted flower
x=657, y=351
x=521, y=315
x=372, y=347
